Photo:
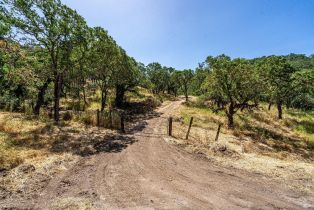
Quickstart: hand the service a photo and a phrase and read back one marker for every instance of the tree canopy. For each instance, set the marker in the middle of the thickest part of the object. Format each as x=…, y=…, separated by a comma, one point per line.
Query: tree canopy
x=64, y=51
x=48, y=52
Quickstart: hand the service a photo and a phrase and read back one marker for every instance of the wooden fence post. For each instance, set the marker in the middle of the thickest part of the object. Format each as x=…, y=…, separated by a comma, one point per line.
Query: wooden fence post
x=190, y=125
x=218, y=132
x=98, y=118
x=122, y=123
x=170, y=126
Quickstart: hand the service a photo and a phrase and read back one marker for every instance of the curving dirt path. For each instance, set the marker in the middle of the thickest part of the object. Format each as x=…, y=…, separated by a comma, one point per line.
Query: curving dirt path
x=151, y=174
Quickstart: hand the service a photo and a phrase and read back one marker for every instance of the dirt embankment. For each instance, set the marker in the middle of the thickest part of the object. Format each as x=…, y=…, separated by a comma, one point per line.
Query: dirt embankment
x=151, y=174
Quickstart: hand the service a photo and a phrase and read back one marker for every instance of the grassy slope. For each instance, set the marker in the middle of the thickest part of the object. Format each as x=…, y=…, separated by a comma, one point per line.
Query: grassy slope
x=294, y=132
x=259, y=143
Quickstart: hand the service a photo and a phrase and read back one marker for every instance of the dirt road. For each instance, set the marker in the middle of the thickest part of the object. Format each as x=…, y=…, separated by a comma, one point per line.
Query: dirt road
x=151, y=174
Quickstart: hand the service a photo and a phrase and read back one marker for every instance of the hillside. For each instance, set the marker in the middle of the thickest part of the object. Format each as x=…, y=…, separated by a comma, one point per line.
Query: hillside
x=259, y=143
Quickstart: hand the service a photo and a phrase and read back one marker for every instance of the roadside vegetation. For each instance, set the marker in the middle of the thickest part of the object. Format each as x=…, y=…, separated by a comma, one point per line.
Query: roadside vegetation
x=258, y=143
x=297, y=123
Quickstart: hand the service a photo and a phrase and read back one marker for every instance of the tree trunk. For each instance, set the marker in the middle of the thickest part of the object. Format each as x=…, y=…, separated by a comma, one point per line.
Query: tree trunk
x=279, y=107
x=84, y=97
x=269, y=106
x=103, y=99
x=230, y=121
x=230, y=112
x=120, y=91
x=57, y=94
x=186, y=94
x=41, y=97
x=79, y=100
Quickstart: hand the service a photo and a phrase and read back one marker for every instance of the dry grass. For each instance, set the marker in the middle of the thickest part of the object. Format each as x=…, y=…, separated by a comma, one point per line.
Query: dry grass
x=138, y=95
x=293, y=135
x=74, y=203
x=34, y=173
x=26, y=159
x=260, y=143
x=23, y=138
x=33, y=151
x=14, y=129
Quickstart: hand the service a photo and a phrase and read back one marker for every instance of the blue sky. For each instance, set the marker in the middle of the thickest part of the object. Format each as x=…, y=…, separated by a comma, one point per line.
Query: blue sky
x=182, y=33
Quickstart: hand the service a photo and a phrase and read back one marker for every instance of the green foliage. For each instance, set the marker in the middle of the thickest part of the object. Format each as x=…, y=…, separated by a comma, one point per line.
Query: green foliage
x=159, y=77
x=303, y=89
x=200, y=76
x=103, y=58
x=17, y=75
x=300, y=61
x=167, y=79
x=230, y=84
x=276, y=74
x=61, y=49
x=185, y=79
x=56, y=55
x=174, y=84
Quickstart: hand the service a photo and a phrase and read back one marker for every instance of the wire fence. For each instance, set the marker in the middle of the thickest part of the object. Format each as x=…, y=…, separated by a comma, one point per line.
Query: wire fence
x=111, y=119
x=196, y=129
x=202, y=130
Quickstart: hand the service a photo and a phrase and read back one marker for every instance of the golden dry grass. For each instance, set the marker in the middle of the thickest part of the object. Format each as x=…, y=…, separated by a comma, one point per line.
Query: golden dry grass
x=292, y=135
x=14, y=130
x=32, y=151
x=259, y=143
x=23, y=138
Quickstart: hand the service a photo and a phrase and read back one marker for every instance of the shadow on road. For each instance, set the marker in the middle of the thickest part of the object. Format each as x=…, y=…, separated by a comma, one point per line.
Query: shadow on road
x=81, y=140
x=76, y=140
x=137, y=123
